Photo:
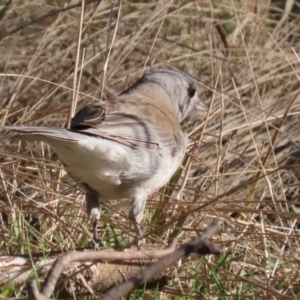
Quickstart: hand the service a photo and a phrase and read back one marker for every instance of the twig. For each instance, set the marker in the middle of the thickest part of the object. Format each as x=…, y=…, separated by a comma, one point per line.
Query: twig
x=75, y=85
x=109, y=48
x=201, y=246
x=62, y=262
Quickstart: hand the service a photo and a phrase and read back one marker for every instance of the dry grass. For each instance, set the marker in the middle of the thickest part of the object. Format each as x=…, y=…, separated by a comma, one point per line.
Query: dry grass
x=247, y=65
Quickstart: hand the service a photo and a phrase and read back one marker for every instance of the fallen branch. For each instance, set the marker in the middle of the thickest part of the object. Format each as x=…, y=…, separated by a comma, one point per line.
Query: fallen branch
x=79, y=273
x=200, y=245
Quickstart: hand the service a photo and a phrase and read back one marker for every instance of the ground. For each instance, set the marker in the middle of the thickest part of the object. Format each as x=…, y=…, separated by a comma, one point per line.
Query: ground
x=242, y=164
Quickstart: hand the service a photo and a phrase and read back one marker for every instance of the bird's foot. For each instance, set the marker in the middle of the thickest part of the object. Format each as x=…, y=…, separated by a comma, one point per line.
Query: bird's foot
x=140, y=243
x=97, y=240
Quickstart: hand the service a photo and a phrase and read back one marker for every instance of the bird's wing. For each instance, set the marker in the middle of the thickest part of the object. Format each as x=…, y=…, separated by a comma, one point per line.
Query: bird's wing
x=125, y=128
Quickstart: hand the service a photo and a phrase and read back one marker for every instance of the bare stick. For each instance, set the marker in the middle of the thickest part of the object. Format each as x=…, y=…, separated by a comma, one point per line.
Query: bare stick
x=109, y=48
x=62, y=262
x=200, y=245
x=75, y=85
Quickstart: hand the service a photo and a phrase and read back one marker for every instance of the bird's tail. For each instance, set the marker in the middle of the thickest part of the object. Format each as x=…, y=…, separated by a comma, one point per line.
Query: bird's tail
x=46, y=134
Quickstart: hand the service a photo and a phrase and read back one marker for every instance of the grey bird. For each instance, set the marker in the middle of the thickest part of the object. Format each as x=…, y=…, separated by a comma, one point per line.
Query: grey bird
x=126, y=148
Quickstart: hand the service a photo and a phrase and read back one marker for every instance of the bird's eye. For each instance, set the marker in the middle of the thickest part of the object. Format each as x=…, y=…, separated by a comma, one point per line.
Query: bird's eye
x=192, y=92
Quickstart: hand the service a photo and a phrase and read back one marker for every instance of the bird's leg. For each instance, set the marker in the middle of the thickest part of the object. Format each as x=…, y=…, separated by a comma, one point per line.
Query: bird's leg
x=140, y=234
x=96, y=237
x=93, y=210
x=135, y=215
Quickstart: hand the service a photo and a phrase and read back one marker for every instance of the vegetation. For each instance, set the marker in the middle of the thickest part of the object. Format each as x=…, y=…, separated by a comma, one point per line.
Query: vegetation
x=242, y=165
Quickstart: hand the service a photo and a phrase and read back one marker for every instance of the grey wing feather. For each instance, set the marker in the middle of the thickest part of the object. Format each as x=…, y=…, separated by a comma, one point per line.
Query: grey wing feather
x=138, y=132
x=129, y=130
x=124, y=128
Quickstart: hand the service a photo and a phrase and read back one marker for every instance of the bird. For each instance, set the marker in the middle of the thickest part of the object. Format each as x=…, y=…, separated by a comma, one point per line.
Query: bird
x=128, y=147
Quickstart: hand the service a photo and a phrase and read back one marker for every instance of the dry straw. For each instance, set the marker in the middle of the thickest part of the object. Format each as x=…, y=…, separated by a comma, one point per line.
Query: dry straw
x=245, y=58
